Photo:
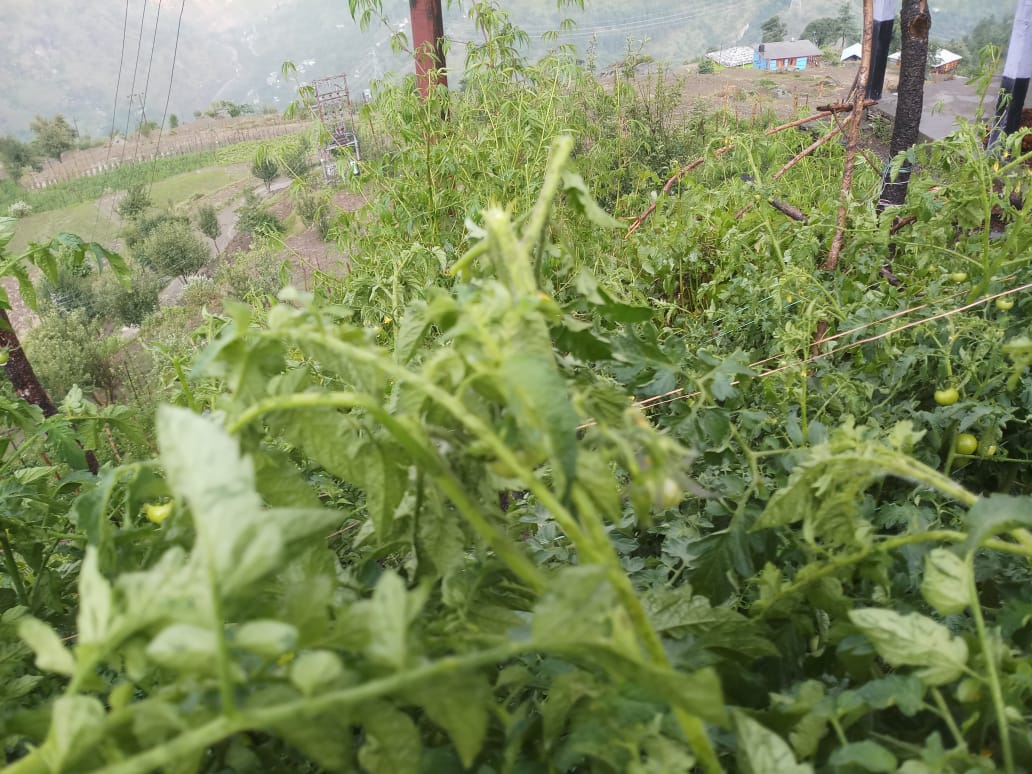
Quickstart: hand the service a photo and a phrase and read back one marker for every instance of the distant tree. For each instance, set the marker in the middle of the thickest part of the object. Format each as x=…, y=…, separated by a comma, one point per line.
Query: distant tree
x=54, y=136
x=295, y=158
x=208, y=223
x=146, y=128
x=135, y=202
x=173, y=251
x=173, y=121
x=846, y=24
x=265, y=169
x=17, y=156
x=822, y=32
x=706, y=65
x=774, y=29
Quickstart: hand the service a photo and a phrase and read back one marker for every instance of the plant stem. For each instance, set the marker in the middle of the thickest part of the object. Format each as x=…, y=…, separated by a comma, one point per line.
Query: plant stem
x=291, y=712
x=993, y=677
x=523, y=567
x=947, y=716
x=12, y=569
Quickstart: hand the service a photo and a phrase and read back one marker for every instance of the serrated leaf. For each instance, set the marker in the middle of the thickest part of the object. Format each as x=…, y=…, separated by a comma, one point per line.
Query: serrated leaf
x=577, y=609
x=76, y=724
x=995, y=514
x=94, y=601
x=51, y=654
x=459, y=704
x=389, y=613
x=265, y=638
x=947, y=582
x=538, y=397
x=914, y=640
x=184, y=647
x=761, y=751
x=315, y=670
x=865, y=756
x=205, y=466
x=392, y=743
x=580, y=197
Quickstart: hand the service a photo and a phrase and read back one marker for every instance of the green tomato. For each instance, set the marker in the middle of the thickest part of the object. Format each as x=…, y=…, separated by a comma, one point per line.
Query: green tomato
x=987, y=449
x=1005, y=304
x=947, y=396
x=965, y=444
x=670, y=493
x=958, y=276
x=4, y=355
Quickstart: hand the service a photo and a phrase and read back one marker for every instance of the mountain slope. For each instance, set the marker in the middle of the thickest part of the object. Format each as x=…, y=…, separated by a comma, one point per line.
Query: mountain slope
x=67, y=59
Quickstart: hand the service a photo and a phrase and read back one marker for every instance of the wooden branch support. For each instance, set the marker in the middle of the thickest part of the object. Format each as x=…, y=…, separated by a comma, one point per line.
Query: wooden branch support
x=852, y=139
x=824, y=111
x=793, y=212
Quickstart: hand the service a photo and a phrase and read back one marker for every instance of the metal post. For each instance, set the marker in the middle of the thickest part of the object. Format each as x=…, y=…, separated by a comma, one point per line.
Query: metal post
x=884, y=16
x=1016, y=73
x=428, y=40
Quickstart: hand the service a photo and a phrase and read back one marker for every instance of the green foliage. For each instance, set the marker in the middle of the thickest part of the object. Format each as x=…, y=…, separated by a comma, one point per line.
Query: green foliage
x=53, y=136
x=84, y=189
x=706, y=66
x=256, y=219
x=129, y=301
x=774, y=29
x=173, y=122
x=17, y=156
x=265, y=169
x=135, y=202
x=69, y=349
x=519, y=492
x=172, y=250
x=208, y=224
x=252, y=274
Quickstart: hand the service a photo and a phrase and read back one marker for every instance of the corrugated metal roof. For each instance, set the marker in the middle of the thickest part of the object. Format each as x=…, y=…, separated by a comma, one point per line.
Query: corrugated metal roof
x=732, y=57
x=942, y=57
x=857, y=50
x=789, y=49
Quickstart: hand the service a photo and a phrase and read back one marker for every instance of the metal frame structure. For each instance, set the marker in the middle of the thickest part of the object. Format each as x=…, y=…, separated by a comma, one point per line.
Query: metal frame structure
x=333, y=102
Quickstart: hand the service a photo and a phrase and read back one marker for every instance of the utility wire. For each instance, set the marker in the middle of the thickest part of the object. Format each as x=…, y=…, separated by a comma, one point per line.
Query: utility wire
x=146, y=85
x=114, y=111
x=168, y=95
x=132, y=89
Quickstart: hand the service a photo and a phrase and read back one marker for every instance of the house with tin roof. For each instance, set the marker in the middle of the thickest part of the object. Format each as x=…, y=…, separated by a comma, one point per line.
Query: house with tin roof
x=943, y=62
x=786, y=55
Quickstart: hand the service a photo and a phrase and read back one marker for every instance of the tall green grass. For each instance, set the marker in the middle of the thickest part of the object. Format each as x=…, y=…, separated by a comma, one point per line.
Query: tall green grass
x=84, y=189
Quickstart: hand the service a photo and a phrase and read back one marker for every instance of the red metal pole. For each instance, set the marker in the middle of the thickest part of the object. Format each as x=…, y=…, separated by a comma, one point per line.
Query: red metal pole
x=428, y=40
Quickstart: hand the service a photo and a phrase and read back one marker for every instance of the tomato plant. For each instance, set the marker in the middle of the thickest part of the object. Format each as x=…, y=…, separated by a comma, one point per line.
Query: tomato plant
x=518, y=493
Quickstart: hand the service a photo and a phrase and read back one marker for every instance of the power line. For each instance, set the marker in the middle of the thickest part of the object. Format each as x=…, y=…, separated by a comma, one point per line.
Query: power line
x=171, y=78
x=132, y=89
x=146, y=85
x=114, y=108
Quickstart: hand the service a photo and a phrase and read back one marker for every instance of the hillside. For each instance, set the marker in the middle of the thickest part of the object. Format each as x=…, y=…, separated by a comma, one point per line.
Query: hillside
x=68, y=61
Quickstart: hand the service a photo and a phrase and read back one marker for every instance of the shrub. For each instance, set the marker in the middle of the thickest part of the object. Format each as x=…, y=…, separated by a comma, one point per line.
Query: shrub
x=201, y=292
x=20, y=209
x=257, y=272
x=706, y=66
x=265, y=169
x=130, y=303
x=257, y=220
x=208, y=224
x=68, y=349
x=171, y=249
x=173, y=122
x=135, y=202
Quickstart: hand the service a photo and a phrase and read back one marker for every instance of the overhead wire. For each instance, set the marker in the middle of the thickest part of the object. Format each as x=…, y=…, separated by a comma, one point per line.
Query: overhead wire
x=114, y=110
x=132, y=88
x=146, y=84
x=168, y=94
